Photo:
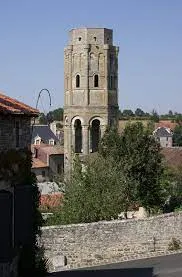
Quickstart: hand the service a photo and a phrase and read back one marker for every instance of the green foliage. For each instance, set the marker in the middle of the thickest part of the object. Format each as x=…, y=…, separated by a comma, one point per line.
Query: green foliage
x=127, y=171
x=93, y=192
x=174, y=244
x=173, y=189
x=138, y=155
x=42, y=119
x=55, y=115
x=127, y=113
x=177, y=136
x=154, y=116
x=139, y=112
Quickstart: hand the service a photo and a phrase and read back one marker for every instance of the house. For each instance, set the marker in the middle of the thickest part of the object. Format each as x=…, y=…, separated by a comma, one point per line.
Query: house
x=164, y=135
x=42, y=134
x=48, y=161
x=15, y=193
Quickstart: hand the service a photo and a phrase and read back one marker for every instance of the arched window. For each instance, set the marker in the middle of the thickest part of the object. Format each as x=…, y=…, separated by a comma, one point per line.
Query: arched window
x=95, y=135
x=78, y=136
x=96, y=81
x=77, y=81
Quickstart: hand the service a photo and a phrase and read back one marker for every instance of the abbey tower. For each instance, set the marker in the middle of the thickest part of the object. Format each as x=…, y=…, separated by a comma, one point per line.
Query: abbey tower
x=90, y=90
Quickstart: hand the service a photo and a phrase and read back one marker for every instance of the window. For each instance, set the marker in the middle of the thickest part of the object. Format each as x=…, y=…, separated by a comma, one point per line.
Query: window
x=96, y=81
x=77, y=81
x=79, y=38
x=17, y=133
x=37, y=141
x=43, y=173
x=51, y=142
x=95, y=135
x=78, y=136
x=95, y=38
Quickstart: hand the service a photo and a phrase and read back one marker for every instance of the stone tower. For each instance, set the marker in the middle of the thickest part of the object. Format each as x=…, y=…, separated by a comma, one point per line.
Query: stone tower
x=90, y=90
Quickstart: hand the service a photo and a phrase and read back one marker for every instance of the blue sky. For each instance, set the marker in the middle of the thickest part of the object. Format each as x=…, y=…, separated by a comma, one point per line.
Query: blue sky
x=33, y=34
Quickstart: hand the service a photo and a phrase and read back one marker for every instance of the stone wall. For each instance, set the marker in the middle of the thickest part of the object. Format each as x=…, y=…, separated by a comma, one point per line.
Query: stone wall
x=113, y=241
x=8, y=131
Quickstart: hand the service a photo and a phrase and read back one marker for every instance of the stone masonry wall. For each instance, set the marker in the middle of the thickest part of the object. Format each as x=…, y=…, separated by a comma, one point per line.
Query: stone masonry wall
x=113, y=241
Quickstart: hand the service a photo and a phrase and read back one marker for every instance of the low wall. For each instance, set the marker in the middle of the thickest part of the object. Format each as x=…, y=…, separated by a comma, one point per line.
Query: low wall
x=112, y=241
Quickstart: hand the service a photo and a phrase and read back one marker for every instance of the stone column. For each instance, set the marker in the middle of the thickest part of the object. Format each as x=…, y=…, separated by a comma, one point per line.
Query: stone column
x=70, y=60
x=86, y=85
x=106, y=73
x=102, y=130
x=85, y=139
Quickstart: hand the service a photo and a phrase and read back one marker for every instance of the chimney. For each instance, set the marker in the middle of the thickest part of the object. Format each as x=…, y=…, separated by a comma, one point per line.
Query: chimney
x=53, y=127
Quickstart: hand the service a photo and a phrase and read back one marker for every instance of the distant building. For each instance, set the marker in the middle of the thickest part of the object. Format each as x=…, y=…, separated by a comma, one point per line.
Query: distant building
x=48, y=161
x=42, y=134
x=164, y=136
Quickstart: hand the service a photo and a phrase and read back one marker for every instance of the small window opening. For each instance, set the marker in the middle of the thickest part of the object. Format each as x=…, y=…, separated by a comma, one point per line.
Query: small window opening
x=79, y=38
x=96, y=81
x=43, y=173
x=77, y=81
x=95, y=38
x=111, y=82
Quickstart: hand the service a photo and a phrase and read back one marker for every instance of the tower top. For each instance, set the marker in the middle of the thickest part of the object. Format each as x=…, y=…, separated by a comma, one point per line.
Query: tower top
x=91, y=36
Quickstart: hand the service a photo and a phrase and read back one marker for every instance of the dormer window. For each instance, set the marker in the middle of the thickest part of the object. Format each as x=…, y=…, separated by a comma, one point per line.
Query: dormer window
x=51, y=142
x=96, y=81
x=37, y=140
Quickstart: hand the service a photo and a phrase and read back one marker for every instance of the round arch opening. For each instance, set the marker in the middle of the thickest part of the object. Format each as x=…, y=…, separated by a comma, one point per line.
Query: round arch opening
x=95, y=135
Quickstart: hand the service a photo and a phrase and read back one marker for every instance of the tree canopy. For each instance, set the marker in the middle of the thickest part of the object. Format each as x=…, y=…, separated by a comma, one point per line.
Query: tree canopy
x=177, y=136
x=127, y=171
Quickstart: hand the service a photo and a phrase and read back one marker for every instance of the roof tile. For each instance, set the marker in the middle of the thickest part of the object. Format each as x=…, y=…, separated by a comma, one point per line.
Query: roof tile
x=13, y=106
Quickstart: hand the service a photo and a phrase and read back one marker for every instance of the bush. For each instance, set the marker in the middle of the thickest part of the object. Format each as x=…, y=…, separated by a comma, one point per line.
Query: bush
x=174, y=244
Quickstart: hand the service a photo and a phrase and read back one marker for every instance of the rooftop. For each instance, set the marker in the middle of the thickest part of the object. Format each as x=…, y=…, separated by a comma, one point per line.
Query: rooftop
x=44, y=132
x=10, y=105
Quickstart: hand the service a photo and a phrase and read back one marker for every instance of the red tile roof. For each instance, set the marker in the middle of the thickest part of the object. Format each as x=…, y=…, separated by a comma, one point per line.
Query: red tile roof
x=51, y=200
x=166, y=123
x=37, y=163
x=12, y=106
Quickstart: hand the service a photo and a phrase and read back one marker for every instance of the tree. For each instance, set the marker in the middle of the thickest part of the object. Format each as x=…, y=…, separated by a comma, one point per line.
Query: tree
x=127, y=113
x=42, y=119
x=140, y=159
x=55, y=115
x=93, y=193
x=178, y=118
x=139, y=112
x=173, y=189
x=177, y=136
x=170, y=113
x=155, y=116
